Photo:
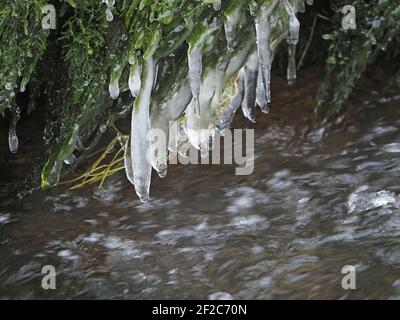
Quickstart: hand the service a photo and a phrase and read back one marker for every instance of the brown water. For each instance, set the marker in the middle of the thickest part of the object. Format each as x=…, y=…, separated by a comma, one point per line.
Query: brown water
x=312, y=206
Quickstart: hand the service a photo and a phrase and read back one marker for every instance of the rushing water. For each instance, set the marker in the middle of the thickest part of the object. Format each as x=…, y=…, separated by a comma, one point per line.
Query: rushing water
x=312, y=206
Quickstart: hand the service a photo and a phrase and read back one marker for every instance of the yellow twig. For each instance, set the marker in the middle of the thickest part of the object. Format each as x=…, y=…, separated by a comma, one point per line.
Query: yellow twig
x=98, y=171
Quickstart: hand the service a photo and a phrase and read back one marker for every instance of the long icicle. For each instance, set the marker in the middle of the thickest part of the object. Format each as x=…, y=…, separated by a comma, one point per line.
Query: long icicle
x=294, y=24
x=250, y=86
x=263, y=32
x=195, y=62
x=140, y=128
x=230, y=25
x=261, y=96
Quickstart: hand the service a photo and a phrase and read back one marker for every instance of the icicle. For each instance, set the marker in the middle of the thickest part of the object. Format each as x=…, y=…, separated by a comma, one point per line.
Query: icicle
x=158, y=155
x=195, y=62
x=294, y=24
x=198, y=127
x=217, y=100
x=263, y=32
x=195, y=57
x=140, y=128
x=261, y=96
x=232, y=20
x=113, y=87
x=12, y=132
x=161, y=117
x=250, y=86
x=173, y=137
x=229, y=113
x=134, y=79
x=291, y=70
x=128, y=162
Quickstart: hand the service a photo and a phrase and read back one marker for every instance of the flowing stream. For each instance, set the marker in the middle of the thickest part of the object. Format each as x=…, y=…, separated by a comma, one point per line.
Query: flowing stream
x=314, y=204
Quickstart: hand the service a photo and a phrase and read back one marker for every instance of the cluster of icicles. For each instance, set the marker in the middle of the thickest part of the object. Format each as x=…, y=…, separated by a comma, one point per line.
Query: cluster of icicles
x=199, y=100
x=196, y=99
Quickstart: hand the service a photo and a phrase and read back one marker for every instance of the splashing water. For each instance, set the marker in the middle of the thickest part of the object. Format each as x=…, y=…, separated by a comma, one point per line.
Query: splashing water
x=264, y=49
x=308, y=210
x=141, y=168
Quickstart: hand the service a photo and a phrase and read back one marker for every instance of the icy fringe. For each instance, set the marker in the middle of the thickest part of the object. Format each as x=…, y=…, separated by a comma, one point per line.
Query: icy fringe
x=204, y=94
x=199, y=100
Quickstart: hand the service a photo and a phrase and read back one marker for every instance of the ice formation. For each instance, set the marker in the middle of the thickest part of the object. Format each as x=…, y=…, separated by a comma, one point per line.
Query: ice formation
x=198, y=101
x=140, y=128
x=227, y=65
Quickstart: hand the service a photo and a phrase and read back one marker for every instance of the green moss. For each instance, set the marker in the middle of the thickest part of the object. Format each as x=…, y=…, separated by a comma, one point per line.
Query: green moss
x=22, y=43
x=350, y=52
